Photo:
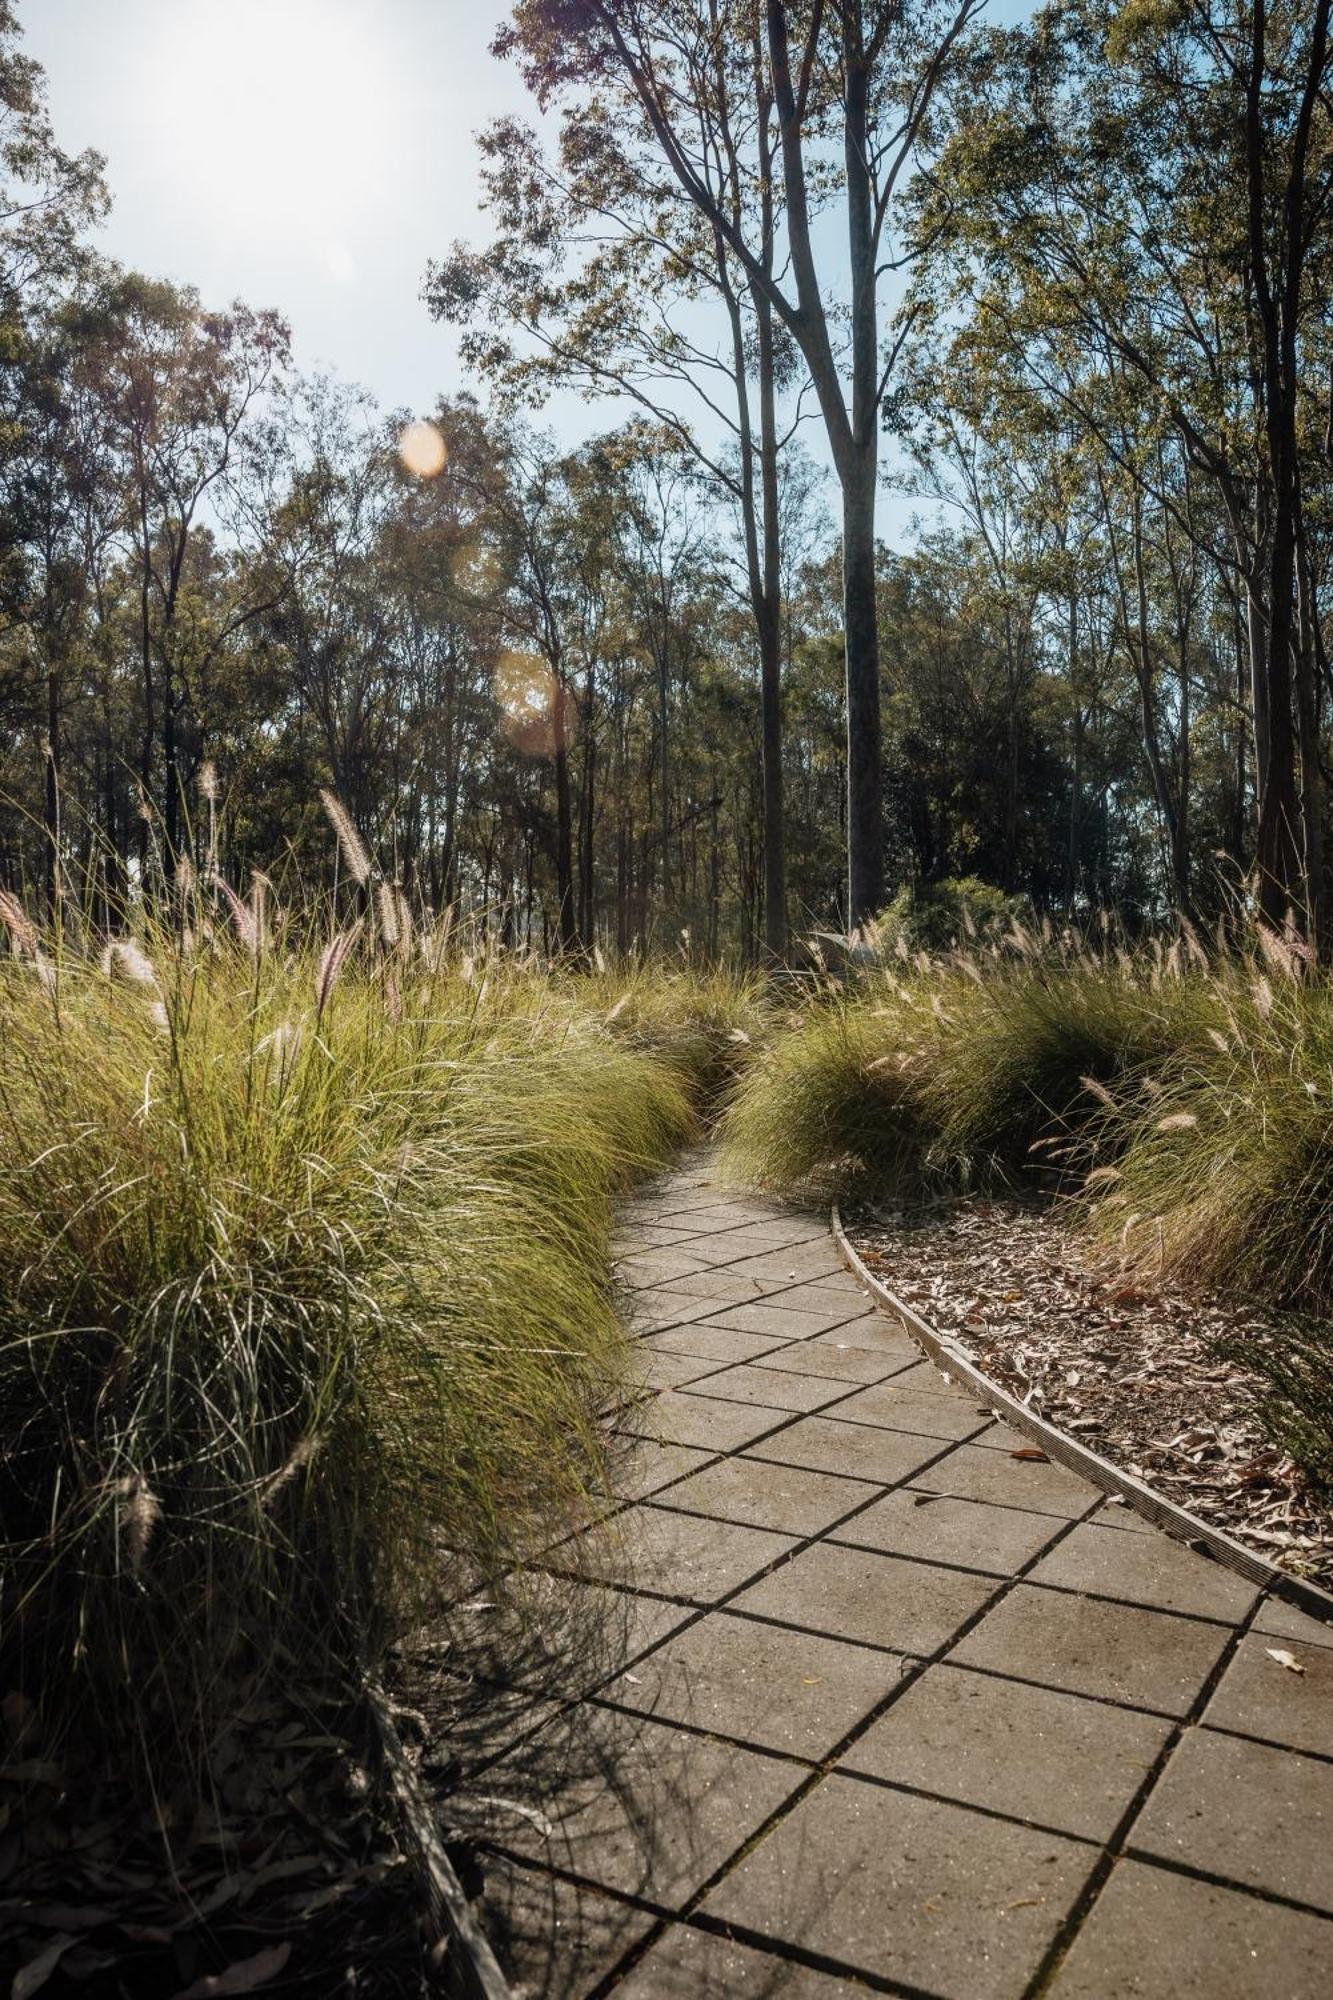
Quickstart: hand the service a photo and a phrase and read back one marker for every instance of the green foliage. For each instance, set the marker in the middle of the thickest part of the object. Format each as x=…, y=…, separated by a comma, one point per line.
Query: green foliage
x=834, y=1106
x=303, y=1280
x=704, y=1022
x=1015, y=1050
x=939, y=916
x=1225, y=1150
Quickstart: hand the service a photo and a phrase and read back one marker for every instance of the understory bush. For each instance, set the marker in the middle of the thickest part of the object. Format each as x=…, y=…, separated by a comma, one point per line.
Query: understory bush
x=958, y=911
x=303, y=1280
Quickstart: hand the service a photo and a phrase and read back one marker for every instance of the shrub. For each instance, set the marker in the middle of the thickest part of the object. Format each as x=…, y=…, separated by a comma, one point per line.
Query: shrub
x=937, y=916
x=1021, y=1052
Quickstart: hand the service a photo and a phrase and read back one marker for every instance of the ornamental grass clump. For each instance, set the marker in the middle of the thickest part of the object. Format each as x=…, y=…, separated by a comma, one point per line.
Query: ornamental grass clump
x=1024, y=1052
x=706, y=1022
x=303, y=1266
x=1223, y=1153
x=835, y=1105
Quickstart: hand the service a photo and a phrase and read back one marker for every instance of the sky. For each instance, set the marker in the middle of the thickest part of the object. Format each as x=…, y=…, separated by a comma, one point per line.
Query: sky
x=306, y=154
x=311, y=155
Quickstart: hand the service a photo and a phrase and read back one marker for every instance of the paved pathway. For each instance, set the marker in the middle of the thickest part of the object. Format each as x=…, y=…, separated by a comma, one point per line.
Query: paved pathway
x=886, y=1702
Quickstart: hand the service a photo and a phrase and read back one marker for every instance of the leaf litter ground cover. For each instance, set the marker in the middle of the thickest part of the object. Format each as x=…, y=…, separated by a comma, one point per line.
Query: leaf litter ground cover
x=1144, y=1377
x=285, y=1876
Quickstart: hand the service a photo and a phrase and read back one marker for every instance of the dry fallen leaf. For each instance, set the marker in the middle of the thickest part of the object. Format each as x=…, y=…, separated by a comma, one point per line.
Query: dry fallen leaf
x=38, y=1970
x=242, y=1977
x=1285, y=1659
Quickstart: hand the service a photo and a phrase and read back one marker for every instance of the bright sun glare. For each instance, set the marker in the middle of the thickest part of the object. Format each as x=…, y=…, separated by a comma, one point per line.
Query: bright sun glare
x=278, y=121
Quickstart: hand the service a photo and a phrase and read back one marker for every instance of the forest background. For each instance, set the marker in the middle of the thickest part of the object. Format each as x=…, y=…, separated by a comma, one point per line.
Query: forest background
x=1058, y=288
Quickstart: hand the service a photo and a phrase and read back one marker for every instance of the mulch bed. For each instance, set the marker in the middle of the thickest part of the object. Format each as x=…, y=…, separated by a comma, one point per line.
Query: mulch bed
x=284, y=1877
x=1137, y=1375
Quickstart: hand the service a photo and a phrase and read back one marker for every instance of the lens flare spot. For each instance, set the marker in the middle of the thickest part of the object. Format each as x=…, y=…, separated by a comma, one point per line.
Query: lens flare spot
x=532, y=703
x=422, y=449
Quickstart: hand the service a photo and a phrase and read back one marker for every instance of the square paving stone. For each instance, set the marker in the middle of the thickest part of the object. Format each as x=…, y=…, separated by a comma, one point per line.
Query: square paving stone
x=766, y=1494
x=643, y=1236
x=1258, y=1696
x=672, y=1555
x=711, y=1213
x=837, y=1288
x=861, y=1451
x=771, y=1389
x=1245, y=1811
x=1286, y=1621
x=656, y=1267
x=915, y=1401
x=625, y=1803
x=1118, y=1652
x=699, y=1965
x=724, y=1247
x=783, y=1322
x=800, y=1265
x=841, y=1364
x=651, y=1311
x=1039, y=1485
x=870, y=1336
x=879, y=1600
x=717, y=1343
x=837, y=1280
x=1156, y=1935
x=1145, y=1569
x=746, y=1238
x=564, y=1637
x=712, y=1423
x=759, y=1684
x=1117, y=1513
x=934, y=1528
x=651, y=1368
x=643, y=1465
x=554, y=1937
x=911, y=1890
x=1051, y=1758
x=722, y=1286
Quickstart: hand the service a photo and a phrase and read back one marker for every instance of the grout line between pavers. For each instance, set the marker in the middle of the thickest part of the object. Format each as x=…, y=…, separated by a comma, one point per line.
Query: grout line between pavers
x=1086, y=1901
x=1110, y=1851
x=830, y=1762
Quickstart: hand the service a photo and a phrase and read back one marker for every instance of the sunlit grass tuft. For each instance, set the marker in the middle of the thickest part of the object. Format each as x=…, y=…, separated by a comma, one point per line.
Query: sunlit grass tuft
x=303, y=1281
x=834, y=1105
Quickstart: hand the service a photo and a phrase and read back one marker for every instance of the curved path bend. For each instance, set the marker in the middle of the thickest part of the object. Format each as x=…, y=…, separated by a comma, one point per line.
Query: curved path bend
x=892, y=1703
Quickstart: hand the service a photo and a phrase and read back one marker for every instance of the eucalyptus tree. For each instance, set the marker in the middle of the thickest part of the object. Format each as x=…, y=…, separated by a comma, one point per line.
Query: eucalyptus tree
x=603, y=273
x=179, y=384
x=1130, y=220
x=836, y=94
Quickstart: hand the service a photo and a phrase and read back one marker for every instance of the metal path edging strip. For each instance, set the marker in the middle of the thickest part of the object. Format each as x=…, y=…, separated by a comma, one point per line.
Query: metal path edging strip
x=470, y=1971
x=954, y=1361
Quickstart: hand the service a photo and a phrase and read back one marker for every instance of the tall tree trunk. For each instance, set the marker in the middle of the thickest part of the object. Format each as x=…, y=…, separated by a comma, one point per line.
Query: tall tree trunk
x=865, y=842
x=567, y=928
x=51, y=801
x=1312, y=772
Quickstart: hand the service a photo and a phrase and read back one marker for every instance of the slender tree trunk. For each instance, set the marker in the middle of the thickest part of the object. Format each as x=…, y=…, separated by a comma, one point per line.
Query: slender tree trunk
x=567, y=919
x=865, y=843
x=1312, y=774
x=51, y=802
